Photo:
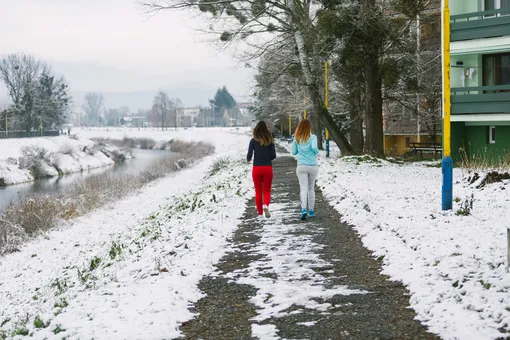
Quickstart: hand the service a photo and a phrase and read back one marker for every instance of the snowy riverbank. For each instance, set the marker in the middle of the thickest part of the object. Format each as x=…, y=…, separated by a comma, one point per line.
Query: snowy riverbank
x=24, y=159
x=131, y=269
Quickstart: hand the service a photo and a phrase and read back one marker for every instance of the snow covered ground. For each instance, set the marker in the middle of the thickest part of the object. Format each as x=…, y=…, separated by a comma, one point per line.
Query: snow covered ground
x=453, y=265
x=63, y=153
x=136, y=263
x=130, y=270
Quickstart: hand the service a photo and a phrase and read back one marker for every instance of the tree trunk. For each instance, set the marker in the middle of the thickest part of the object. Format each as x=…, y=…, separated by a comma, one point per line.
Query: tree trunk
x=373, y=84
x=320, y=140
x=325, y=118
x=356, y=132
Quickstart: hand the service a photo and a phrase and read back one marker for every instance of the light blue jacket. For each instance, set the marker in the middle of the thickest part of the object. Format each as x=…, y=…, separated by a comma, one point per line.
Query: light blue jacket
x=307, y=152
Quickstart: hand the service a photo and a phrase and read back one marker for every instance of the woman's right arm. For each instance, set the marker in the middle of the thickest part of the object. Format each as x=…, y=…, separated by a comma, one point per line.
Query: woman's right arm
x=250, y=151
x=294, y=148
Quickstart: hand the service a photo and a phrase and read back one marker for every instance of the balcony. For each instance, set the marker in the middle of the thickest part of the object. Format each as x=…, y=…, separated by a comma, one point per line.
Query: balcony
x=482, y=99
x=479, y=25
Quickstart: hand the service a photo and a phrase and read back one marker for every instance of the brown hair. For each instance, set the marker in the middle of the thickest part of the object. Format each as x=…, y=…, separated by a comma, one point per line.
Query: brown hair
x=303, y=131
x=262, y=134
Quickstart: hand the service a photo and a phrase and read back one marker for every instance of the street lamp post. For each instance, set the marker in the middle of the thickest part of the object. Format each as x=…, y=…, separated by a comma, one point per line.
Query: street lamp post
x=447, y=162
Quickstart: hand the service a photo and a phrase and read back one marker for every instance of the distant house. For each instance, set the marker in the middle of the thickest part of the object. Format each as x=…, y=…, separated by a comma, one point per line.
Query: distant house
x=188, y=117
x=137, y=121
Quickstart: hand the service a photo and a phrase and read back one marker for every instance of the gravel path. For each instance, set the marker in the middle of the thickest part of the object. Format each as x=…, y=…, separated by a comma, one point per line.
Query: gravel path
x=285, y=278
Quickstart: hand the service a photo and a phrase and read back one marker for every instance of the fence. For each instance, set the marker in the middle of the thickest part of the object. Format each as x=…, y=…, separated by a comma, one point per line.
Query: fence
x=24, y=134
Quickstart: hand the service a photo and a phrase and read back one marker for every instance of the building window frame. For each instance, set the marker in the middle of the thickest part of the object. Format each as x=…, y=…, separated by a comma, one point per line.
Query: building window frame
x=492, y=134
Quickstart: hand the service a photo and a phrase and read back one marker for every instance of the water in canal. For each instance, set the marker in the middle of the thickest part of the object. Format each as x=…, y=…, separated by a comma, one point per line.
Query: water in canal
x=141, y=159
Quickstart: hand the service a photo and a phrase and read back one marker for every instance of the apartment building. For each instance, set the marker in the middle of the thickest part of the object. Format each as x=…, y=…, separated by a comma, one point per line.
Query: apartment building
x=480, y=78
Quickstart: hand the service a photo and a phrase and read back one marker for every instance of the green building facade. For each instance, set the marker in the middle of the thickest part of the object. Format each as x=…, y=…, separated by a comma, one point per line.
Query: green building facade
x=480, y=78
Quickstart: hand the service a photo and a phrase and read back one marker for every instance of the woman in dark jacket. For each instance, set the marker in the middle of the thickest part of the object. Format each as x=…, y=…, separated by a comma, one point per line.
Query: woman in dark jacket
x=262, y=145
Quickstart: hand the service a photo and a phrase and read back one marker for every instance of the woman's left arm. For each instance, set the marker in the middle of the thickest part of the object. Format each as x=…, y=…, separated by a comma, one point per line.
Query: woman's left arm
x=273, y=152
x=315, y=147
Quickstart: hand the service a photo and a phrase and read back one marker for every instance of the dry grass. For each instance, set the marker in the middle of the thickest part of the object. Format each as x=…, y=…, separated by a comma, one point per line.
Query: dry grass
x=483, y=161
x=31, y=216
x=34, y=215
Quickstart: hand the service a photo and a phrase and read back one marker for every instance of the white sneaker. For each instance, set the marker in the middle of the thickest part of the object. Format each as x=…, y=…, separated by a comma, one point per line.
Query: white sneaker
x=266, y=211
x=261, y=217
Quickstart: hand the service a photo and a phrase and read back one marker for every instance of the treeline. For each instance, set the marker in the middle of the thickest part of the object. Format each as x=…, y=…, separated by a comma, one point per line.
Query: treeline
x=373, y=49
x=39, y=99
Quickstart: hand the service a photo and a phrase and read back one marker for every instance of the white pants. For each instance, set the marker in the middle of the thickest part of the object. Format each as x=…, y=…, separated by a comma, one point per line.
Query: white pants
x=307, y=174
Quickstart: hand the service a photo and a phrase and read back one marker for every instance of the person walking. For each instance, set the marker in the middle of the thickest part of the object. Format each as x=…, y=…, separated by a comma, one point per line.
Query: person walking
x=305, y=147
x=262, y=145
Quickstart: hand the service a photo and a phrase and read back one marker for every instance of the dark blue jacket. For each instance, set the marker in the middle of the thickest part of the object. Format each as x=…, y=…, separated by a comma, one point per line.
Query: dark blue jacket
x=264, y=154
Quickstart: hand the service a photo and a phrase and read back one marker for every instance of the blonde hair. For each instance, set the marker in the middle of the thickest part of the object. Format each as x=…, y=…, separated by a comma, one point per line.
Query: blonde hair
x=262, y=134
x=303, y=131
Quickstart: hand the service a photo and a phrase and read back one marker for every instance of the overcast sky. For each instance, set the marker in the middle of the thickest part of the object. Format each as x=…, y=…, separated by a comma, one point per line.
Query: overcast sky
x=111, y=45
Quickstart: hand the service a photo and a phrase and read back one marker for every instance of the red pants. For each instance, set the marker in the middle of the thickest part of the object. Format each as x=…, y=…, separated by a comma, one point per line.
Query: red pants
x=262, y=178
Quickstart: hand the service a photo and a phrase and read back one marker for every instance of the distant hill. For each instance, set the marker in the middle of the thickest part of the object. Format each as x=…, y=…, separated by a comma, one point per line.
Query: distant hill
x=190, y=94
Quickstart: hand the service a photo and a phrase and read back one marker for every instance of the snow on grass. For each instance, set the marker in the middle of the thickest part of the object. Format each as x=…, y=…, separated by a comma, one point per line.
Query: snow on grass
x=64, y=154
x=194, y=134
x=129, y=270
x=453, y=265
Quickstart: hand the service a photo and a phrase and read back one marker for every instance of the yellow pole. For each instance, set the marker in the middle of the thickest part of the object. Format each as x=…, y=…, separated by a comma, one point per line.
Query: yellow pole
x=447, y=162
x=304, y=102
x=446, y=76
x=326, y=101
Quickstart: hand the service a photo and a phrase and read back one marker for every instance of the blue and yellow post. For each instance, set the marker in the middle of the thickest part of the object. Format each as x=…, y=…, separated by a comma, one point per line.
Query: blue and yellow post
x=447, y=163
x=326, y=101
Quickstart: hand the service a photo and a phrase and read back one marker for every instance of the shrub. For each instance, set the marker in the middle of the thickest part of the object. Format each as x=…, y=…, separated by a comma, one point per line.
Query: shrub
x=67, y=149
x=146, y=143
x=35, y=159
x=466, y=206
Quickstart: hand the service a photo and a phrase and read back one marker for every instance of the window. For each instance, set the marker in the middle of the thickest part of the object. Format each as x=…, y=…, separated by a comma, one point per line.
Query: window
x=496, y=70
x=431, y=28
x=490, y=5
x=492, y=134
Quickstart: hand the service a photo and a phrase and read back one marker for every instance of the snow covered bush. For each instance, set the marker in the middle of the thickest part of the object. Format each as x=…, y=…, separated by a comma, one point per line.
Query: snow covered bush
x=67, y=149
x=37, y=160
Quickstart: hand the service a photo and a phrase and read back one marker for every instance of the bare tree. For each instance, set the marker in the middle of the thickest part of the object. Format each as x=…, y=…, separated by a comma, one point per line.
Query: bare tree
x=161, y=107
x=267, y=24
x=94, y=105
x=20, y=73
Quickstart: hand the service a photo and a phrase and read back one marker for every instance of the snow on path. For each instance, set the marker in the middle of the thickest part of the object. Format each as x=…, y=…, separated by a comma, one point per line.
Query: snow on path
x=454, y=266
x=292, y=257
x=123, y=299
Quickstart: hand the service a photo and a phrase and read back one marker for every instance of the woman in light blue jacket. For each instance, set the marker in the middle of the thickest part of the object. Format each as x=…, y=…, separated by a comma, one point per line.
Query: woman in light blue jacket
x=305, y=147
